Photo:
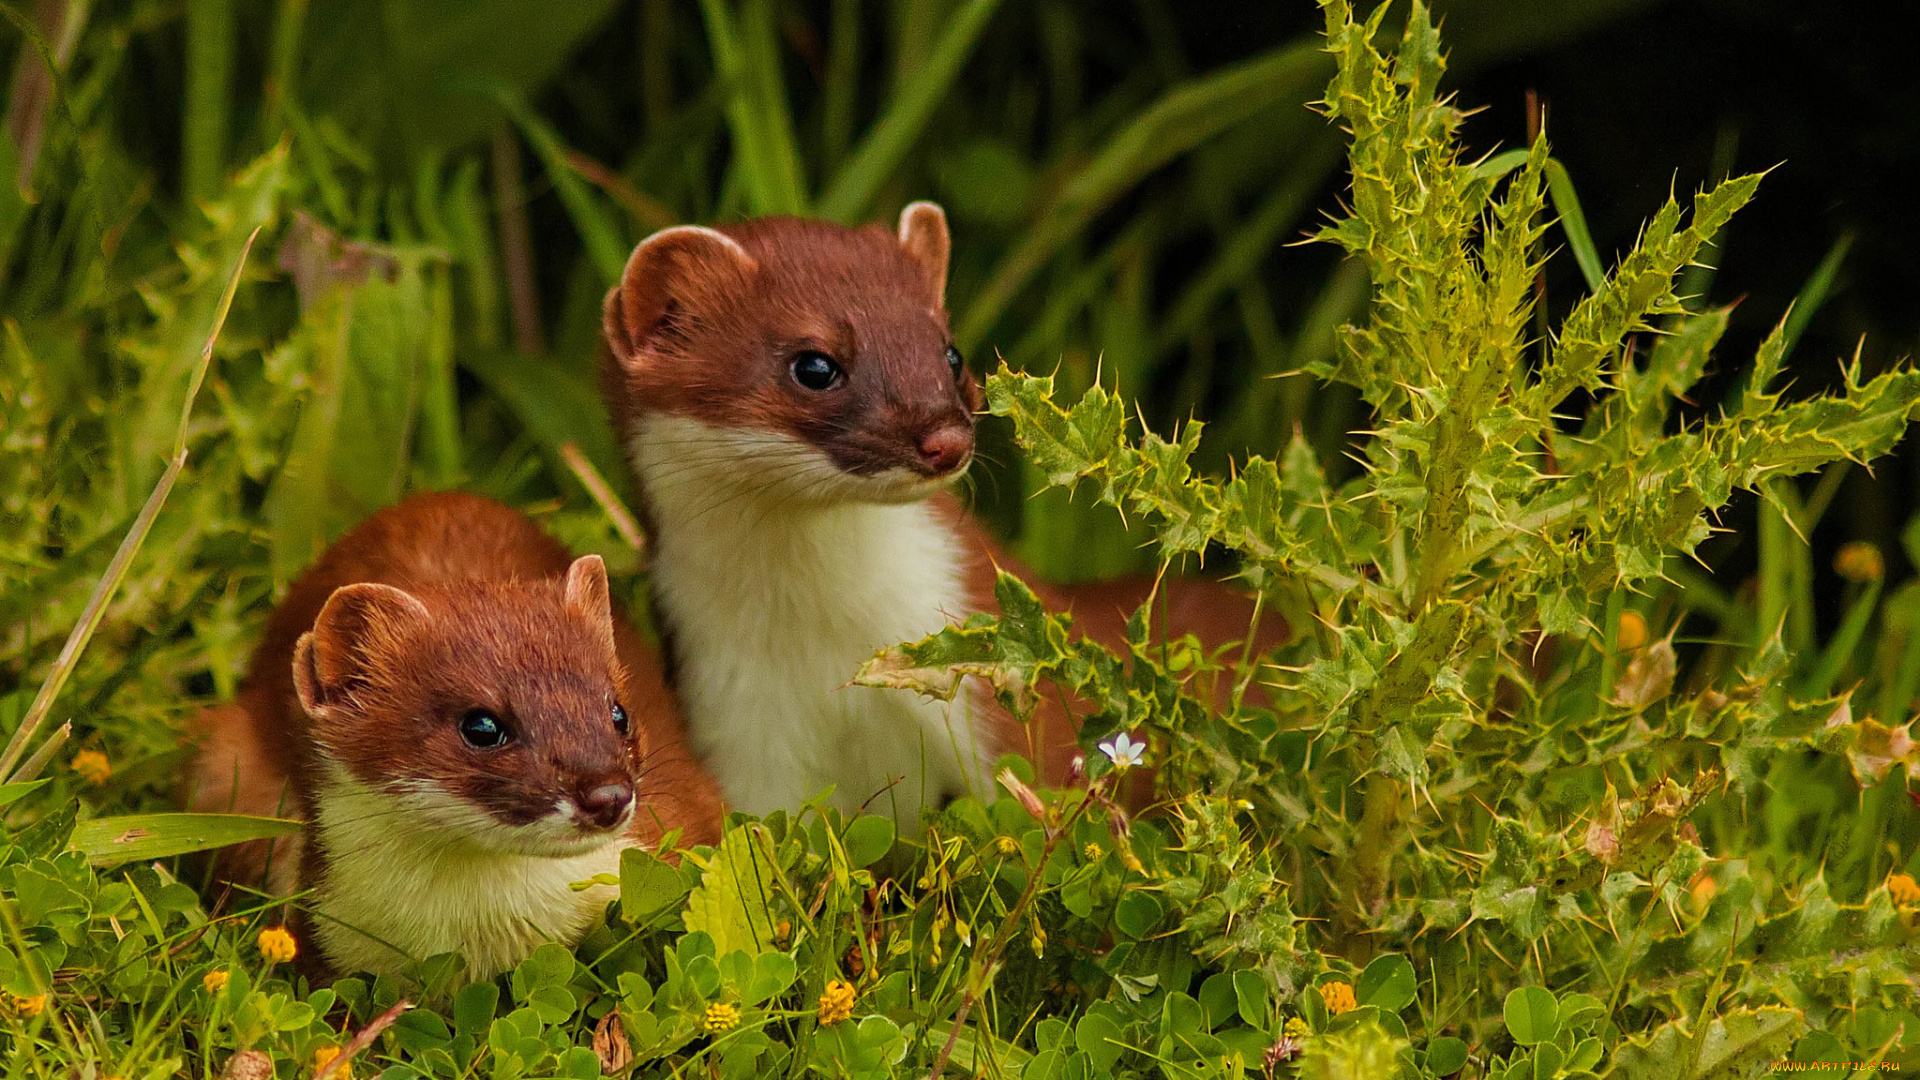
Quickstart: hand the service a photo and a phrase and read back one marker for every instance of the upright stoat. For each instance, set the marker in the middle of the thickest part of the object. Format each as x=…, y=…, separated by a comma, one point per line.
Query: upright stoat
x=451, y=704
x=793, y=403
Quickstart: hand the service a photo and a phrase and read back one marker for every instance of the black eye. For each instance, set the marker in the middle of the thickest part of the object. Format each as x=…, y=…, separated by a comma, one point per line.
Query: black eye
x=955, y=361
x=619, y=718
x=482, y=730
x=815, y=370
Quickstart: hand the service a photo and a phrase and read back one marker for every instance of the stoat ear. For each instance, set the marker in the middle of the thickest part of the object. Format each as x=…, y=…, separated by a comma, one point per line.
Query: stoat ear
x=672, y=270
x=587, y=593
x=334, y=655
x=923, y=232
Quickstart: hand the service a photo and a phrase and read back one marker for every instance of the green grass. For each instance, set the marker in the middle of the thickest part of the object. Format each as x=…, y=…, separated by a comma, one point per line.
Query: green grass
x=1523, y=844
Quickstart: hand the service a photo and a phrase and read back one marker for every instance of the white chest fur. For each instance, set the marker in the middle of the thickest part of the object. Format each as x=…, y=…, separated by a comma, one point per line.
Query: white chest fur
x=395, y=891
x=779, y=576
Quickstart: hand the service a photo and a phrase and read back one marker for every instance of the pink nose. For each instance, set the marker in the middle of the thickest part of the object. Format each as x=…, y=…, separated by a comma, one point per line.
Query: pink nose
x=606, y=804
x=944, y=448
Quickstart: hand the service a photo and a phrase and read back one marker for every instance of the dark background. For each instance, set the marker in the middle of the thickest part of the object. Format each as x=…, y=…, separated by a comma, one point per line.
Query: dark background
x=1665, y=100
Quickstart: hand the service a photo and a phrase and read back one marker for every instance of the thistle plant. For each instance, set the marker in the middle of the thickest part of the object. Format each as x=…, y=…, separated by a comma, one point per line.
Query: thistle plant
x=1457, y=755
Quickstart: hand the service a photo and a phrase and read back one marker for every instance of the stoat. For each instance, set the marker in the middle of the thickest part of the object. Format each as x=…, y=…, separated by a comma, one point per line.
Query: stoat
x=795, y=411
x=452, y=705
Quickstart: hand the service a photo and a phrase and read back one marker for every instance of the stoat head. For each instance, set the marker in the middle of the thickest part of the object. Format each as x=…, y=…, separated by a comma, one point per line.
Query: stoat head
x=487, y=714
x=814, y=360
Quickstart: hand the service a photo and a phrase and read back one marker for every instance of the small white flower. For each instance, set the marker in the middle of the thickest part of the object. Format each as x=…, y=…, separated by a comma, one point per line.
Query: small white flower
x=1123, y=751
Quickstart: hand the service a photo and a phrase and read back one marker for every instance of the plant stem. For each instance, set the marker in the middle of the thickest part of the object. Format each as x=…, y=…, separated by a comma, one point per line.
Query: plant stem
x=516, y=242
x=982, y=968
x=1367, y=871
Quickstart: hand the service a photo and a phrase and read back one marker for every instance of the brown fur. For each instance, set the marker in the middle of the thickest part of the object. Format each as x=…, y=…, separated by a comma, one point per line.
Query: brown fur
x=706, y=327
x=442, y=603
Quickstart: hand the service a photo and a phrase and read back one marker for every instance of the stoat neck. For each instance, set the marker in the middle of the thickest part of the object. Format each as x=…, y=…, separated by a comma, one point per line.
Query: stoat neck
x=392, y=891
x=773, y=596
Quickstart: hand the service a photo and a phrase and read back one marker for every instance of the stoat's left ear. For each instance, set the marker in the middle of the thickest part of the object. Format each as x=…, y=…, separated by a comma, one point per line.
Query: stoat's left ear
x=588, y=594
x=923, y=232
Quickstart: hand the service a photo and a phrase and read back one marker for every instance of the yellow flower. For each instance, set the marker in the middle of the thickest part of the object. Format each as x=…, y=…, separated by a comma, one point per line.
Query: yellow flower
x=214, y=981
x=28, y=1005
x=1632, y=631
x=276, y=944
x=1903, y=889
x=1094, y=851
x=92, y=766
x=323, y=1055
x=721, y=1016
x=1860, y=562
x=837, y=1003
x=1297, y=1028
x=1338, y=996
x=1007, y=845
x=1703, y=890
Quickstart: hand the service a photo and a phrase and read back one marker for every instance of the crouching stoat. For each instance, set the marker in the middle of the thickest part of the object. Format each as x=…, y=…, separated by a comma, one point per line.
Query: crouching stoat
x=449, y=702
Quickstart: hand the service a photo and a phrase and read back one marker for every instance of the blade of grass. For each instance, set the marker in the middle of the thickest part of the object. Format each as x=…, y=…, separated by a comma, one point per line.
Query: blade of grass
x=887, y=144
x=209, y=72
x=107, y=841
x=64, y=664
x=651, y=214
x=1818, y=682
x=439, y=398
x=843, y=82
x=31, y=769
x=1573, y=222
x=748, y=64
x=1253, y=237
x=602, y=493
x=1181, y=119
x=516, y=243
x=606, y=246
x=1814, y=292
x=116, y=572
x=1785, y=601
x=282, y=66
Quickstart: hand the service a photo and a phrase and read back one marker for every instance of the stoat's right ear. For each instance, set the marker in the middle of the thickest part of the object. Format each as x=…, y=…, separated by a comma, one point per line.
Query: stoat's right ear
x=337, y=653
x=672, y=270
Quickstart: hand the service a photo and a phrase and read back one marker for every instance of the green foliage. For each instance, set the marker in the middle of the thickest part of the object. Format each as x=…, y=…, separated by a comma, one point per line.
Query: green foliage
x=1459, y=824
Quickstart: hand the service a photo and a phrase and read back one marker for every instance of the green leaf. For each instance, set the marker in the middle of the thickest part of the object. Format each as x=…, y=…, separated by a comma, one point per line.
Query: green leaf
x=1446, y=1056
x=1100, y=1039
x=141, y=837
x=773, y=972
x=1532, y=1015
x=867, y=840
x=731, y=901
x=473, y=1007
x=1250, y=994
x=355, y=53
x=11, y=793
x=1733, y=1046
x=1388, y=982
x=649, y=885
x=1137, y=913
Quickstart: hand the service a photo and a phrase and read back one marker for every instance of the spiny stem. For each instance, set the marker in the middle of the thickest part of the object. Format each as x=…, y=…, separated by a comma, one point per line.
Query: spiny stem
x=983, y=968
